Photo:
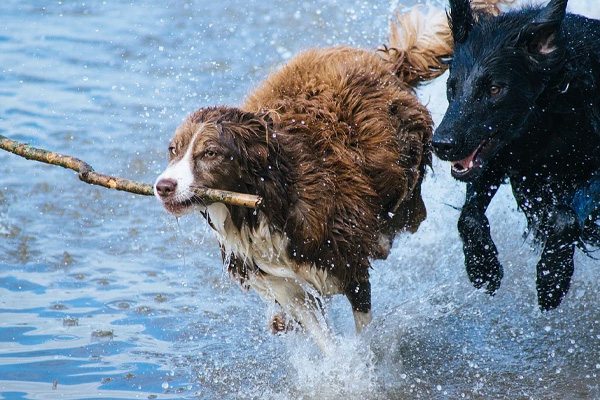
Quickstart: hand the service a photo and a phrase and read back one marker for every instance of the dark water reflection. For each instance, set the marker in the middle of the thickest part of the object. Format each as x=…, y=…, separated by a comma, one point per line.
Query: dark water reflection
x=98, y=299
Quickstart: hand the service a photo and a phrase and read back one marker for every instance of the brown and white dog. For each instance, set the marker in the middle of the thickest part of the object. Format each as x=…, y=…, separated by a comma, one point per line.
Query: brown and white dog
x=336, y=142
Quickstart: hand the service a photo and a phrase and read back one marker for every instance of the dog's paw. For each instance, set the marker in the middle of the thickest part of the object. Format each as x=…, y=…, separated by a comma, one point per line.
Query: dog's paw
x=282, y=323
x=554, y=273
x=480, y=252
x=485, y=271
x=277, y=323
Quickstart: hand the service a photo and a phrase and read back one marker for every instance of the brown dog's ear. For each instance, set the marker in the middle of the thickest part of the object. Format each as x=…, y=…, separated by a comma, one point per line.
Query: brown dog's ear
x=541, y=36
x=461, y=19
x=243, y=125
x=248, y=134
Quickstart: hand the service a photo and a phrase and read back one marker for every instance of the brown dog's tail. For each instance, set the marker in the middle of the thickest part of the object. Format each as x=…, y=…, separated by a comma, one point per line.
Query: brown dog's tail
x=490, y=7
x=419, y=43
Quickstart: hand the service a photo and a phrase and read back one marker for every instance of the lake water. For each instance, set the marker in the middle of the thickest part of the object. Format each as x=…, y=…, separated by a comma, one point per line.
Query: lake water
x=103, y=296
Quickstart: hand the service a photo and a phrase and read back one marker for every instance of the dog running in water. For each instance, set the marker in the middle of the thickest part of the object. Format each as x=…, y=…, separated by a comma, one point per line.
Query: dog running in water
x=524, y=103
x=336, y=143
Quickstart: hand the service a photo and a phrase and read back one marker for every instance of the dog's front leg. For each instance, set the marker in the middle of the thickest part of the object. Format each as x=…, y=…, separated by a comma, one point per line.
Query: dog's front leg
x=359, y=295
x=298, y=304
x=555, y=267
x=481, y=256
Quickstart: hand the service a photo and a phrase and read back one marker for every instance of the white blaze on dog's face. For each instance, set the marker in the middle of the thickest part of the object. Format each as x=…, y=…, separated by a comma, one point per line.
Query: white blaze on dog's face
x=174, y=186
x=198, y=157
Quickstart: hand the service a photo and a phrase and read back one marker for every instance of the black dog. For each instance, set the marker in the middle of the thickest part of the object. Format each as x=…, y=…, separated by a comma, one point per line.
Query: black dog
x=524, y=103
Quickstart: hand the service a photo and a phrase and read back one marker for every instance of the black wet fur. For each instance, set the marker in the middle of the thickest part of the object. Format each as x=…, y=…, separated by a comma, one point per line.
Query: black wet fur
x=359, y=295
x=524, y=105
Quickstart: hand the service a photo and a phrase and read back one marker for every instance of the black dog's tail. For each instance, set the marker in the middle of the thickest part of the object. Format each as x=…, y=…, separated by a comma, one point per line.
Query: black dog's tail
x=420, y=44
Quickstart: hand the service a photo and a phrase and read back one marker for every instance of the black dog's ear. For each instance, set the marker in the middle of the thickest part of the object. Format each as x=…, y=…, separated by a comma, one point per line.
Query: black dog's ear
x=541, y=35
x=461, y=19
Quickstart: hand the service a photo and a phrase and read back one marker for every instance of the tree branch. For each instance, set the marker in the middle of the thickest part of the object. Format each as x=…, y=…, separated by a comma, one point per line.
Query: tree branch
x=87, y=174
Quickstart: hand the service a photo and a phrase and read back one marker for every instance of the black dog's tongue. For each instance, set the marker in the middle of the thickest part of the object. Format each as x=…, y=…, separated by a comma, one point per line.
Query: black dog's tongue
x=466, y=163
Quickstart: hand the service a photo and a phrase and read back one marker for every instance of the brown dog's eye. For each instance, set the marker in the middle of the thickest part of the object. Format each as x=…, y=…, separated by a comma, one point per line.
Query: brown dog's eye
x=172, y=150
x=494, y=89
x=210, y=153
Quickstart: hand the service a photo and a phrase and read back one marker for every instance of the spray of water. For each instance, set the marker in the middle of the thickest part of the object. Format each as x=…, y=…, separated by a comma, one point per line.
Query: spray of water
x=181, y=239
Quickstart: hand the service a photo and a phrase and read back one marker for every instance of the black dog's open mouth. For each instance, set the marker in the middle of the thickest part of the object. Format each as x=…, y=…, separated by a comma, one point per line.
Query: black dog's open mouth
x=466, y=167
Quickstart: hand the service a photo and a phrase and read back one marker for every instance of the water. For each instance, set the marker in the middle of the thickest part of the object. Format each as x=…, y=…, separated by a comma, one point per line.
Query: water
x=97, y=299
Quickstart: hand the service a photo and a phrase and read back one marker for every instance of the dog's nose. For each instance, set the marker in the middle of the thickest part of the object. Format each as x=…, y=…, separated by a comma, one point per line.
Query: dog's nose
x=442, y=145
x=166, y=187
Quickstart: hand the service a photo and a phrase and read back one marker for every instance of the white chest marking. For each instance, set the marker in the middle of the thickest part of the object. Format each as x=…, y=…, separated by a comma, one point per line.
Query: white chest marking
x=267, y=250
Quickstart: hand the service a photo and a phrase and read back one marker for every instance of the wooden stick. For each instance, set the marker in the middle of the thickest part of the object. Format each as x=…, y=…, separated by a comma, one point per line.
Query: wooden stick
x=87, y=174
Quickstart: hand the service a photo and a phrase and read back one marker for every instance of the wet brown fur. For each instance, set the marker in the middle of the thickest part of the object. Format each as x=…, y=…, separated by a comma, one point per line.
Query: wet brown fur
x=335, y=144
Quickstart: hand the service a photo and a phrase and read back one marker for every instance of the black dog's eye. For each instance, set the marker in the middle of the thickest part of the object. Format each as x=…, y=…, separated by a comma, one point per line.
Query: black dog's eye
x=493, y=89
x=210, y=153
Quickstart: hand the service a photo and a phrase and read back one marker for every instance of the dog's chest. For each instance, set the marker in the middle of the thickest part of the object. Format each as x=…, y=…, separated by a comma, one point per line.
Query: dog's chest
x=259, y=246
x=267, y=250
